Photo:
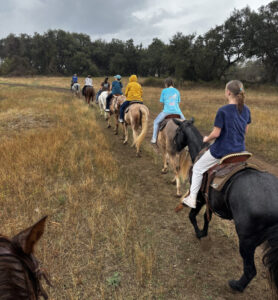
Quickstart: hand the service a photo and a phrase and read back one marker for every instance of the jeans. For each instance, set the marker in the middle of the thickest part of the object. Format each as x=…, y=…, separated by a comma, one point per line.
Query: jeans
x=108, y=99
x=159, y=119
x=98, y=94
x=122, y=109
x=200, y=167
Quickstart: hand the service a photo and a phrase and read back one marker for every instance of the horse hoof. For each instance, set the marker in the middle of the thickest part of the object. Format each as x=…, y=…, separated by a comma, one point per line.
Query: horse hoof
x=164, y=171
x=178, y=195
x=235, y=286
x=125, y=142
x=138, y=155
x=173, y=182
x=179, y=208
x=116, y=133
x=109, y=126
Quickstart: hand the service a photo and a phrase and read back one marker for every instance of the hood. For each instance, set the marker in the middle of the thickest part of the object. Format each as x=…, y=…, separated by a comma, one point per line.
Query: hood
x=133, y=78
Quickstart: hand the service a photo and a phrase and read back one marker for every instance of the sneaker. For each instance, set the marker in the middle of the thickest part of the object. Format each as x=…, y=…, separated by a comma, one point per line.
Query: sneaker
x=189, y=201
x=121, y=120
x=153, y=141
x=107, y=109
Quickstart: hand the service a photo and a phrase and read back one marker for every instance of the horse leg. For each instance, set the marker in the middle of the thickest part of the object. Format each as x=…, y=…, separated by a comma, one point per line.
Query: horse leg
x=165, y=162
x=108, y=121
x=116, y=124
x=125, y=133
x=192, y=216
x=247, y=250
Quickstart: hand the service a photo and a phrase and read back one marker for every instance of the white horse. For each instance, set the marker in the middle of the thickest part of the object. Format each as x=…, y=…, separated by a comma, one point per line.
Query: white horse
x=102, y=103
x=76, y=89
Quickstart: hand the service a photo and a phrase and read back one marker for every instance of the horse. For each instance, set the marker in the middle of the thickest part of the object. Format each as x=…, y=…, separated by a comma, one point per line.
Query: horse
x=89, y=94
x=250, y=198
x=20, y=274
x=102, y=103
x=75, y=88
x=114, y=107
x=137, y=115
x=179, y=161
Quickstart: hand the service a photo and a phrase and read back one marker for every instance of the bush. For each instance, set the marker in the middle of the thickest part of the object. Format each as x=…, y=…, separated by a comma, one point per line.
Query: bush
x=154, y=82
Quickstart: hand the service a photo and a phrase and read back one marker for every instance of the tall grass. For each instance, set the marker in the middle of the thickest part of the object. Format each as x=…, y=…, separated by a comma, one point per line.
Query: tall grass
x=55, y=160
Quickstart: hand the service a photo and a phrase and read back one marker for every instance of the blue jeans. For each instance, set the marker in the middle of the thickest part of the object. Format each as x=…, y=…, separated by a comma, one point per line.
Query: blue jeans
x=122, y=109
x=159, y=119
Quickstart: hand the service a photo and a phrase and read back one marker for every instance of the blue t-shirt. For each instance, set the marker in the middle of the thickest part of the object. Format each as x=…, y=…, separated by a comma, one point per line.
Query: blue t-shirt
x=233, y=125
x=74, y=79
x=117, y=87
x=170, y=97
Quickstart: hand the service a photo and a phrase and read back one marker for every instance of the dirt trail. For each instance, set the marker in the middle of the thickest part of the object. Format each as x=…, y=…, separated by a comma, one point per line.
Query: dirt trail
x=186, y=268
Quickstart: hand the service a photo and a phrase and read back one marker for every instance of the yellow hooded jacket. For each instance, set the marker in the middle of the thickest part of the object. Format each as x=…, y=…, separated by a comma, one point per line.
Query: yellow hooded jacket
x=133, y=90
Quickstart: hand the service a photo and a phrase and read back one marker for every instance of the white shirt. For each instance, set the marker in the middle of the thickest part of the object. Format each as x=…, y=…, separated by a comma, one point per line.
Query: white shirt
x=89, y=81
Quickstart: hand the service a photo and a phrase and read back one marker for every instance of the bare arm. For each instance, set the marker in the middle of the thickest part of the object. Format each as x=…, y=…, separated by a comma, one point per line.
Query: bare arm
x=246, y=129
x=213, y=135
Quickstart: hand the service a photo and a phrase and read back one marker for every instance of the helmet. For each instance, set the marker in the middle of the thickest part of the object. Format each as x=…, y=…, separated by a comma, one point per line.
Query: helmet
x=118, y=77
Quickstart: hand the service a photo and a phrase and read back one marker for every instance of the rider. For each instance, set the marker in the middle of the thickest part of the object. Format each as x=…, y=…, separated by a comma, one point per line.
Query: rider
x=74, y=80
x=170, y=97
x=105, y=86
x=133, y=92
x=88, y=82
x=230, y=126
x=116, y=90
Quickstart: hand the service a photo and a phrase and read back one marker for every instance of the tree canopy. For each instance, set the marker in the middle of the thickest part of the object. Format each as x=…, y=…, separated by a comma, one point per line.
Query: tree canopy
x=245, y=35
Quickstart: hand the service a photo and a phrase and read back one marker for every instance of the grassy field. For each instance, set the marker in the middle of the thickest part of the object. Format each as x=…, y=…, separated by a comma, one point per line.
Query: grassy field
x=112, y=233
x=202, y=103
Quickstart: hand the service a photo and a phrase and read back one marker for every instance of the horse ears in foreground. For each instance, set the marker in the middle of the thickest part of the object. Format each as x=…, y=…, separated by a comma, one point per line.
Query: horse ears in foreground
x=29, y=237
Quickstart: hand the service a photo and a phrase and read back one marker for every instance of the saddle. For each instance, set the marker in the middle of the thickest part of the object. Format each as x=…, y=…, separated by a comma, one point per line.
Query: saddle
x=164, y=122
x=218, y=175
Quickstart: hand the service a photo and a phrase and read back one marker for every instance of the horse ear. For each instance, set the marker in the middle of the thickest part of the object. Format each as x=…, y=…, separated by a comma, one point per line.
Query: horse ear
x=177, y=122
x=27, y=238
x=192, y=120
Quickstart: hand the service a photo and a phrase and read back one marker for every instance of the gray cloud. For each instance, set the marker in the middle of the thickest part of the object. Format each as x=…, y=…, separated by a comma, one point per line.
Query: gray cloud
x=141, y=20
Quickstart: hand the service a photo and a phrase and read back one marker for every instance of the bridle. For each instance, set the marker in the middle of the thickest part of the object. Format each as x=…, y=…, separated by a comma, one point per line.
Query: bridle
x=30, y=265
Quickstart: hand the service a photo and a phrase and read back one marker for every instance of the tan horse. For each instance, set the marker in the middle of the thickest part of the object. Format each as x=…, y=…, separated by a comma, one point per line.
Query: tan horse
x=179, y=161
x=114, y=107
x=89, y=94
x=137, y=115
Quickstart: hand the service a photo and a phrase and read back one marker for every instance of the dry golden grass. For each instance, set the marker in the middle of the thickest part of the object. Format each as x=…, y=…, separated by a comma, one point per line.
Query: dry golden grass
x=55, y=160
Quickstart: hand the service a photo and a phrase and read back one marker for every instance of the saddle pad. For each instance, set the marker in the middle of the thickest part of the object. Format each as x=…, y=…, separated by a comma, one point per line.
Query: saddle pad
x=163, y=123
x=225, y=173
x=173, y=116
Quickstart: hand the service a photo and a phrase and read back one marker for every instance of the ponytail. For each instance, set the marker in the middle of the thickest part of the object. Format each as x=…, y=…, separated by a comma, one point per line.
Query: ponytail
x=236, y=88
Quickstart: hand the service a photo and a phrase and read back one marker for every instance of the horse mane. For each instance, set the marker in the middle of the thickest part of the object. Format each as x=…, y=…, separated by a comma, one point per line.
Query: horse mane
x=195, y=141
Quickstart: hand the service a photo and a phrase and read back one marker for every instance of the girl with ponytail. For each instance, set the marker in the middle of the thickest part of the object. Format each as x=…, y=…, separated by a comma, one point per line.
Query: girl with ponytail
x=230, y=126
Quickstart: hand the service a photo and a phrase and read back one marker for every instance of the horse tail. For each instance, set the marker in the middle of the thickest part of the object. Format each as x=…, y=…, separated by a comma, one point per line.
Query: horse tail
x=144, y=119
x=270, y=258
x=185, y=164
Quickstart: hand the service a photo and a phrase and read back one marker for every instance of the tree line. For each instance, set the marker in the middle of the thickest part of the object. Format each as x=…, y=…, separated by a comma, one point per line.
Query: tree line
x=246, y=36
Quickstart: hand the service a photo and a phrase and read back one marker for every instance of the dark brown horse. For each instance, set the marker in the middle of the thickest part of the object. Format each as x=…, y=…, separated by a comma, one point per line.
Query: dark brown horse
x=20, y=274
x=89, y=94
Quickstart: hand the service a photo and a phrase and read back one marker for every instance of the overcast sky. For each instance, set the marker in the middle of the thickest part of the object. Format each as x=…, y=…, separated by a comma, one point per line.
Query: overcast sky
x=141, y=20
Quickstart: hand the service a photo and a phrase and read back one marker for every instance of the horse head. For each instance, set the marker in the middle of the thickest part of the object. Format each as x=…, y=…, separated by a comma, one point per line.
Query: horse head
x=21, y=270
x=188, y=135
x=181, y=137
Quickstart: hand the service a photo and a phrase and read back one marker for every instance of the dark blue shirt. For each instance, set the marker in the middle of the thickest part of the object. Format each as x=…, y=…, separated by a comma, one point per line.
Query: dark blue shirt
x=117, y=87
x=74, y=79
x=233, y=125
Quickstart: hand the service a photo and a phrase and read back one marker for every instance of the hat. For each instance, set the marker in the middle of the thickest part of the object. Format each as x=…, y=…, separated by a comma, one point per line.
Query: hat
x=118, y=77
